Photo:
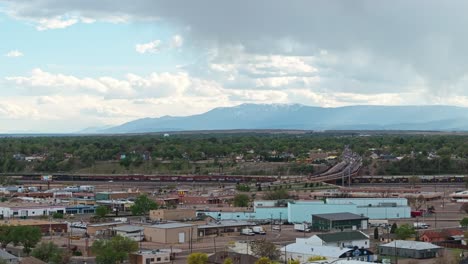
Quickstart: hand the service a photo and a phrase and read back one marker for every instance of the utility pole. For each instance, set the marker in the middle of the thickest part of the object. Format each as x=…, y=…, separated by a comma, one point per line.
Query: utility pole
x=271, y=222
x=396, y=255
x=285, y=258
x=280, y=221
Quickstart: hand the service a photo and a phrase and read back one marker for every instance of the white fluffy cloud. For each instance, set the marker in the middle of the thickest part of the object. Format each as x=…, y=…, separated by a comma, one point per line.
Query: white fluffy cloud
x=150, y=47
x=14, y=54
x=156, y=46
x=57, y=22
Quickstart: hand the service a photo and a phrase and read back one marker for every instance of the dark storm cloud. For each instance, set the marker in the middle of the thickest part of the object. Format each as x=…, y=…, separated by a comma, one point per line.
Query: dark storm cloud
x=402, y=40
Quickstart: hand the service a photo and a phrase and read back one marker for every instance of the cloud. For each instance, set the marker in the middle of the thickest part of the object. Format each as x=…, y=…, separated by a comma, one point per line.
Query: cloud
x=150, y=47
x=156, y=46
x=14, y=54
x=57, y=22
x=176, y=41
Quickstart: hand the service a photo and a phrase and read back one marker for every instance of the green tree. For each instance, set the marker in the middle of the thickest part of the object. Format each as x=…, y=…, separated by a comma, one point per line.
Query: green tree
x=113, y=251
x=228, y=261
x=264, y=248
x=241, y=200
x=197, y=258
x=393, y=228
x=276, y=195
x=464, y=222
x=5, y=235
x=294, y=261
x=102, y=211
x=405, y=231
x=143, y=204
x=51, y=253
x=27, y=236
x=264, y=260
x=376, y=233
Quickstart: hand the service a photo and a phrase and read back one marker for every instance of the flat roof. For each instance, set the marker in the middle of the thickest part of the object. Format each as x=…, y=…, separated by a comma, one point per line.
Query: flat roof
x=106, y=224
x=171, y=225
x=416, y=245
x=343, y=236
x=225, y=224
x=341, y=216
x=129, y=228
x=27, y=222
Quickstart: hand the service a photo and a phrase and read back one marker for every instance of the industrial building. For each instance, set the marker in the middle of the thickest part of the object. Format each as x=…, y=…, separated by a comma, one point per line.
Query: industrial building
x=171, y=233
x=172, y=214
x=24, y=210
x=223, y=227
x=302, y=211
x=339, y=221
x=410, y=249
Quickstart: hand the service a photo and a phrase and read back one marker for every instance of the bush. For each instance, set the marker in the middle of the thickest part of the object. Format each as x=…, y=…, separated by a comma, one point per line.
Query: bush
x=57, y=215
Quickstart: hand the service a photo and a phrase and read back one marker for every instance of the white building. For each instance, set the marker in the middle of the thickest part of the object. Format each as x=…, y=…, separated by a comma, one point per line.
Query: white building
x=346, y=239
x=133, y=232
x=9, y=210
x=150, y=257
x=302, y=251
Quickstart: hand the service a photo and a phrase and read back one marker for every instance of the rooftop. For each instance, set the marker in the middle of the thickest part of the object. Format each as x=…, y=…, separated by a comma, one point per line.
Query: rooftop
x=416, y=245
x=325, y=251
x=129, y=228
x=6, y=256
x=225, y=224
x=341, y=216
x=25, y=222
x=171, y=225
x=342, y=236
x=105, y=224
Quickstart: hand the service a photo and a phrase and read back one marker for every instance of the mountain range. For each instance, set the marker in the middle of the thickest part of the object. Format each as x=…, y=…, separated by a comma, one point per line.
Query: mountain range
x=302, y=117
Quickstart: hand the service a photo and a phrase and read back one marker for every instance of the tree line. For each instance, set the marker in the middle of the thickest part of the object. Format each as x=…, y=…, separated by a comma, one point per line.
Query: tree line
x=75, y=152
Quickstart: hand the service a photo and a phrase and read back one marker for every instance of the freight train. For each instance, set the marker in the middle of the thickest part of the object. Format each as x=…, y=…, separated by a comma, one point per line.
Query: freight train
x=151, y=178
x=405, y=179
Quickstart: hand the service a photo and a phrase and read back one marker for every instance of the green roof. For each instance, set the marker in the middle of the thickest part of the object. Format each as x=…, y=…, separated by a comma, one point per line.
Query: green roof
x=343, y=236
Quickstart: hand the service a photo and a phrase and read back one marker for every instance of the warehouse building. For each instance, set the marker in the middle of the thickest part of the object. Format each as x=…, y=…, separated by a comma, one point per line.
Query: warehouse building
x=410, y=249
x=172, y=214
x=302, y=211
x=171, y=233
x=25, y=210
x=339, y=221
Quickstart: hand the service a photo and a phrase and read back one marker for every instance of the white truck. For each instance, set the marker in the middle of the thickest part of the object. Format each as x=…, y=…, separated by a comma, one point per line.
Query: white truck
x=258, y=230
x=302, y=227
x=247, y=232
x=420, y=226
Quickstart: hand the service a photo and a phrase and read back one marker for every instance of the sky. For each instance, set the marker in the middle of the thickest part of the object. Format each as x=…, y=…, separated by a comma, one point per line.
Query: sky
x=66, y=65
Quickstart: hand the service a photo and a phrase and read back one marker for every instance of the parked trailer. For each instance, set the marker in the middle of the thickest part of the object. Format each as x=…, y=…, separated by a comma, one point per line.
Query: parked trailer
x=302, y=227
x=259, y=230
